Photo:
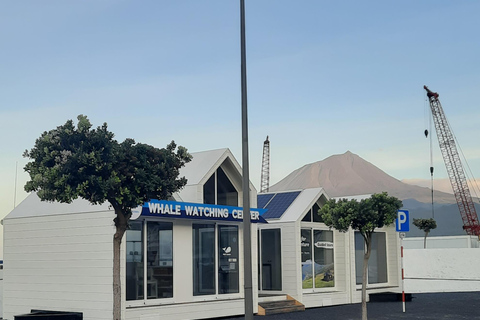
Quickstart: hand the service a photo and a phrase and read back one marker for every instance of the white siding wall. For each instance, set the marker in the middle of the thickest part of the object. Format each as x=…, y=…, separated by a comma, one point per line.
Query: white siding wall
x=290, y=258
x=59, y=262
x=198, y=310
x=1, y=293
x=291, y=268
x=394, y=263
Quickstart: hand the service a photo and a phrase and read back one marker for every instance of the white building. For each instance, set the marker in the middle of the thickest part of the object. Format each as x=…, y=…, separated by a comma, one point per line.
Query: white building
x=60, y=255
x=320, y=266
x=183, y=258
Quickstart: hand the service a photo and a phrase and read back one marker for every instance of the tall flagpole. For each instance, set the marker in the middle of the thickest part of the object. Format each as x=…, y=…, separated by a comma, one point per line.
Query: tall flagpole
x=247, y=240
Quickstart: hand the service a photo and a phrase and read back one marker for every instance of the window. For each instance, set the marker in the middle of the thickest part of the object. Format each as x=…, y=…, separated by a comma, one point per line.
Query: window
x=134, y=269
x=160, y=260
x=203, y=259
x=270, y=259
x=377, y=264
x=312, y=215
x=220, y=190
x=215, y=259
x=228, y=259
x=317, y=258
x=149, y=275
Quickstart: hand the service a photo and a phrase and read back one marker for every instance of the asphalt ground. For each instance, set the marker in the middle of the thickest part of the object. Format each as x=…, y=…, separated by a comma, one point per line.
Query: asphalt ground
x=453, y=306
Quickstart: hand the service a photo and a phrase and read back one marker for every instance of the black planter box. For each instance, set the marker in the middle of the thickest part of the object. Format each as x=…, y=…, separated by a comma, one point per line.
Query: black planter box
x=50, y=315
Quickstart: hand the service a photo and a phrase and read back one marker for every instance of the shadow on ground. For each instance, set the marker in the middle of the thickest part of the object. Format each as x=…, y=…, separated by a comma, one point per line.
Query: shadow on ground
x=431, y=306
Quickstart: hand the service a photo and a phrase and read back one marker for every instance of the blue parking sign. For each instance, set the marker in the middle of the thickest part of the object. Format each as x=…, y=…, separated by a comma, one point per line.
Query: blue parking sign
x=402, y=223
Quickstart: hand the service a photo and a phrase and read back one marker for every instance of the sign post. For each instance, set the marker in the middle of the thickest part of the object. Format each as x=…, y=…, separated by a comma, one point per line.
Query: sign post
x=402, y=225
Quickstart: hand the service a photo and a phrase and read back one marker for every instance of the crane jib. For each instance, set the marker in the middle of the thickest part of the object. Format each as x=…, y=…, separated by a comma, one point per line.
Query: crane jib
x=454, y=166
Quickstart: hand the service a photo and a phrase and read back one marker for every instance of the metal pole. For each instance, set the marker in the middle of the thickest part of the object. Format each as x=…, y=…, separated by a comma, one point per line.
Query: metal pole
x=403, y=275
x=247, y=240
x=15, y=186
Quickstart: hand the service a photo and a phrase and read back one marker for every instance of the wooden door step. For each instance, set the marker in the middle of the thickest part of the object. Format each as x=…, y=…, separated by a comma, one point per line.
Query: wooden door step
x=282, y=306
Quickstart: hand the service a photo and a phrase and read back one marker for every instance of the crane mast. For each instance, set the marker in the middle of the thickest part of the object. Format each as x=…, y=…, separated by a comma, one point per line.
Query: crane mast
x=265, y=178
x=454, y=166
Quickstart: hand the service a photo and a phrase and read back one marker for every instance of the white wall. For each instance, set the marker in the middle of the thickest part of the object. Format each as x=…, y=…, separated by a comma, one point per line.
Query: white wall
x=442, y=270
x=59, y=262
x=290, y=256
x=1, y=293
x=442, y=242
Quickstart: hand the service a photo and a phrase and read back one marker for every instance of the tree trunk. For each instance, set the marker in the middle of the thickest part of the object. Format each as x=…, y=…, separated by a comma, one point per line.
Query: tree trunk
x=121, y=223
x=364, y=278
x=425, y=241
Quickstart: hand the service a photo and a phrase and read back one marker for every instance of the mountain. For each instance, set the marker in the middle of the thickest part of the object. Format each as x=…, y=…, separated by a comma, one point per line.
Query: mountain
x=348, y=174
x=447, y=216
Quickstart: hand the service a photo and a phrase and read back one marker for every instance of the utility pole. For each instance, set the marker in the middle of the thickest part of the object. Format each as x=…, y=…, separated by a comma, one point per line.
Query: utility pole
x=247, y=238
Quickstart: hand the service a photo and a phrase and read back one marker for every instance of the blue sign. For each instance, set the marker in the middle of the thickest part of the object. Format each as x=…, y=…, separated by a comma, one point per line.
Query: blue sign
x=186, y=210
x=402, y=223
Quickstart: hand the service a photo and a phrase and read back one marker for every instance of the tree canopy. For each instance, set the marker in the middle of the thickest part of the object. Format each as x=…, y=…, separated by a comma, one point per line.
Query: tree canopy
x=83, y=162
x=364, y=216
x=426, y=225
x=71, y=162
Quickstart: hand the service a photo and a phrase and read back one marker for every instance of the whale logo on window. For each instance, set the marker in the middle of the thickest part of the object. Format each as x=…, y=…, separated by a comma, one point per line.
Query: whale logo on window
x=227, y=251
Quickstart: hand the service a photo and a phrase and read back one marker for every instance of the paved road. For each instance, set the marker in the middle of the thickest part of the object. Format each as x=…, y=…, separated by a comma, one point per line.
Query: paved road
x=431, y=306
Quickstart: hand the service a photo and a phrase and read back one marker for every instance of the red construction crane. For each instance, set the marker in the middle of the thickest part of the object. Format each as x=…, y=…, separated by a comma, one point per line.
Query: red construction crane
x=454, y=166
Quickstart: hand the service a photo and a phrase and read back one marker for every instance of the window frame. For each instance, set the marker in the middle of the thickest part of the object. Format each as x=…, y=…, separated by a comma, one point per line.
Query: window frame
x=312, y=226
x=217, y=295
x=145, y=300
x=260, y=260
x=311, y=213
x=215, y=184
x=380, y=284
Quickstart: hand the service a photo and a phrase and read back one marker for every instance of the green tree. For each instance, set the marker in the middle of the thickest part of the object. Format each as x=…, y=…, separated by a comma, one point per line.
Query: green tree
x=82, y=162
x=426, y=225
x=363, y=216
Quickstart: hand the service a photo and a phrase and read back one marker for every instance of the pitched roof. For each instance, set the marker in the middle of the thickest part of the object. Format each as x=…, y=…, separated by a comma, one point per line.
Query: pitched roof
x=357, y=197
x=289, y=205
x=202, y=163
x=197, y=171
x=32, y=206
x=276, y=203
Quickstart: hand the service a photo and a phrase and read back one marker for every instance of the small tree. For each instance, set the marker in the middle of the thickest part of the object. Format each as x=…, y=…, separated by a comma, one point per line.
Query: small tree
x=426, y=225
x=365, y=216
x=80, y=162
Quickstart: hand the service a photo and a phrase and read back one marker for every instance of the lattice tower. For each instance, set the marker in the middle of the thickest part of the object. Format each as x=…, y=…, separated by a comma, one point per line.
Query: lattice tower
x=446, y=140
x=265, y=178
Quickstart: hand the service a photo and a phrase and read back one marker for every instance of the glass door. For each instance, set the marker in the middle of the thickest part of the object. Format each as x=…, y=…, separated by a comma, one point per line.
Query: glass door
x=203, y=259
x=270, y=260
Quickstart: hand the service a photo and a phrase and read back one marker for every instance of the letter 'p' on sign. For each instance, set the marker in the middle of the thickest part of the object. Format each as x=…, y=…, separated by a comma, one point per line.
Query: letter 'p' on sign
x=402, y=223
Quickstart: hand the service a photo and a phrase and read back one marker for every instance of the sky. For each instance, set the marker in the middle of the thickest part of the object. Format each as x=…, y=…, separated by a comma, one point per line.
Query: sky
x=324, y=77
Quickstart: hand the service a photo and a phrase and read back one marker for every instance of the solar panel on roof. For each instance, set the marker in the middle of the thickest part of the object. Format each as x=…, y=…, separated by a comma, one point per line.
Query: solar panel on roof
x=262, y=199
x=279, y=204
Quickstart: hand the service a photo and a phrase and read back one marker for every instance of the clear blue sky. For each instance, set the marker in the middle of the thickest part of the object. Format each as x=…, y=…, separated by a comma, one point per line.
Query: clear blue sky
x=324, y=77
